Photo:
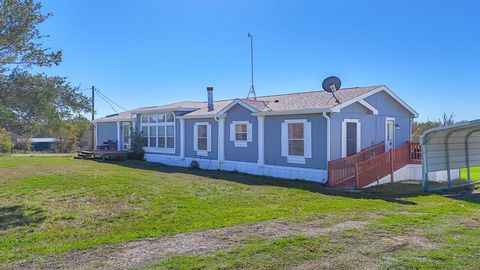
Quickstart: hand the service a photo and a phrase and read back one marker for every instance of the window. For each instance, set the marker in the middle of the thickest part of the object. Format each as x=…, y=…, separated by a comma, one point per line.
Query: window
x=351, y=137
x=296, y=140
x=240, y=133
x=158, y=132
x=126, y=135
x=202, y=138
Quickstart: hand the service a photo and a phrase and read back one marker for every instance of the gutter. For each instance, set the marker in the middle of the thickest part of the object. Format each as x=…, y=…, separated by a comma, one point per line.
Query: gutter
x=328, y=135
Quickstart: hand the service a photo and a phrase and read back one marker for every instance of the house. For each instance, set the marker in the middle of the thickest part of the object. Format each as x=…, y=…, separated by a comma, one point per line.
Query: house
x=290, y=135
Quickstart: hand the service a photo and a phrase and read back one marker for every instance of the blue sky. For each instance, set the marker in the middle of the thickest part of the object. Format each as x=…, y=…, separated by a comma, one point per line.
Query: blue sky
x=143, y=53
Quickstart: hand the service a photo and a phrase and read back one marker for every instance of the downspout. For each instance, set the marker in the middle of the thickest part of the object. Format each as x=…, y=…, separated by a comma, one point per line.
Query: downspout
x=328, y=134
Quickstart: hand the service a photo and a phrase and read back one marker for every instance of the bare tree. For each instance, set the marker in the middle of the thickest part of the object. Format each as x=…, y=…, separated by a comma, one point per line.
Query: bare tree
x=447, y=119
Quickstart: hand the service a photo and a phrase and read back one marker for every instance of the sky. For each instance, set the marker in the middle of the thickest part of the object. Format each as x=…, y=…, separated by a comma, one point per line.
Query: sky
x=141, y=53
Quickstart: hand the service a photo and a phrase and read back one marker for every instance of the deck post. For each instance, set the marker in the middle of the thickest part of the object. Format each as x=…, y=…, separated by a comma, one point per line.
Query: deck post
x=357, y=175
x=391, y=165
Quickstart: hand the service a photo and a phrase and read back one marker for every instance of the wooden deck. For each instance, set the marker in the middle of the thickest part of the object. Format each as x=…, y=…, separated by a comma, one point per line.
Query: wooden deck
x=103, y=154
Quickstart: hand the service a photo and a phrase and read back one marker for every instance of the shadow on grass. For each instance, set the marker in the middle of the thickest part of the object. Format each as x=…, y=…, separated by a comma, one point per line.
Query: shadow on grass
x=16, y=216
x=397, y=192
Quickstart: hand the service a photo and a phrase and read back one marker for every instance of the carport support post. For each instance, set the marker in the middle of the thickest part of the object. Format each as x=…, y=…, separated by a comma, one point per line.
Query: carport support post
x=425, y=168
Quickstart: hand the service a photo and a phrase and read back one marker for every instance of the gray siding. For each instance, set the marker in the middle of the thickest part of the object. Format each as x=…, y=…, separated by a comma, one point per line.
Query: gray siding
x=372, y=126
x=189, y=152
x=106, y=131
x=244, y=154
x=273, y=154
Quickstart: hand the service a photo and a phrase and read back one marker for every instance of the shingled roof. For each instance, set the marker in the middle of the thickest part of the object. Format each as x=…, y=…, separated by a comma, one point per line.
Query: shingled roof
x=285, y=103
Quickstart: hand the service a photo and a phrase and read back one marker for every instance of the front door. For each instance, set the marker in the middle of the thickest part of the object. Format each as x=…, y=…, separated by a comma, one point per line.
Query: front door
x=126, y=136
x=351, y=136
x=389, y=134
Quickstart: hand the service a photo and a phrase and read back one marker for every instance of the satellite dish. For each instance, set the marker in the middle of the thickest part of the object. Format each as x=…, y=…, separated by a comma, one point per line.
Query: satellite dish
x=331, y=84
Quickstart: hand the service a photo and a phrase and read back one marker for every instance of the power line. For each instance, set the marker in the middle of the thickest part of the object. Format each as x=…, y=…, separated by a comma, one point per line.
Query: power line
x=121, y=107
x=106, y=100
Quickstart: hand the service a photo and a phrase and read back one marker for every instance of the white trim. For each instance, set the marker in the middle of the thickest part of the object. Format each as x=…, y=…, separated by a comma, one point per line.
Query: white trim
x=221, y=138
x=307, y=141
x=344, y=135
x=368, y=106
x=233, y=137
x=386, y=131
x=285, y=172
x=182, y=138
x=119, y=147
x=328, y=136
x=338, y=107
x=95, y=143
x=261, y=138
x=129, y=135
x=239, y=102
x=195, y=138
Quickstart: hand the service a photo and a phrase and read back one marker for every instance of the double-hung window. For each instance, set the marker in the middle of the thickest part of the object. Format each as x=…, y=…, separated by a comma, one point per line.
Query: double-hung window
x=158, y=132
x=202, y=138
x=240, y=133
x=296, y=140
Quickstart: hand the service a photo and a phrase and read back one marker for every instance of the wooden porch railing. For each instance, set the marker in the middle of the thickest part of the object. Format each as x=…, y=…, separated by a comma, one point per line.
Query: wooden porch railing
x=342, y=170
x=373, y=169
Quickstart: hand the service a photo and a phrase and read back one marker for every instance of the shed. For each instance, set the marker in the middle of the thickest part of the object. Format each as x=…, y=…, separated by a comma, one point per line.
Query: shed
x=451, y=147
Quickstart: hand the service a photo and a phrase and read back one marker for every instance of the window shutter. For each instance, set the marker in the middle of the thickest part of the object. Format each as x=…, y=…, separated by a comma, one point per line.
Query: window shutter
x=232, y=132
x=249, y=132
x=284, y=139
x=209, y=137
x=195, y=138
x=307, y=143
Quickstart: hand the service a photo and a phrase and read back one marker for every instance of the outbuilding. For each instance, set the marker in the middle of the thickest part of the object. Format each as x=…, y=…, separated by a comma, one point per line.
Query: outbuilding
x=450, y=148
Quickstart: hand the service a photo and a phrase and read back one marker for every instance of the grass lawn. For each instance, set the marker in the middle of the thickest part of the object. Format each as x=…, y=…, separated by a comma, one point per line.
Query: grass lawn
x=52, y=206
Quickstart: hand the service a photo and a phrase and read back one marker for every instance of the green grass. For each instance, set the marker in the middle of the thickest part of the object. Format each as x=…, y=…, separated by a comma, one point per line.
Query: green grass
x=474, y=173
x=51, y=205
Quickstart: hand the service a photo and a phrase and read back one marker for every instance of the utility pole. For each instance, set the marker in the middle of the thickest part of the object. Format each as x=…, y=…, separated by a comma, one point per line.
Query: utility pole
x=252, y=88
x=93, y=117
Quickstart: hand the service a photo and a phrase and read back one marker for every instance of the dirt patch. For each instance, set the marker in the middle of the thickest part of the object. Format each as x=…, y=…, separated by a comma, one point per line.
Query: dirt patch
x=370, y=251
x=143, y=252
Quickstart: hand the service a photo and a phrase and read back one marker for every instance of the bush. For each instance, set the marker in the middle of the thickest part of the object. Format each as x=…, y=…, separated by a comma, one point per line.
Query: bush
x=6, y=144
x=136, y=146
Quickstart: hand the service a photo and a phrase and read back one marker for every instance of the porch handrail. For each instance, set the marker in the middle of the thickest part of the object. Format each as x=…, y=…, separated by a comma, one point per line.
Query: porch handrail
x=341, y=170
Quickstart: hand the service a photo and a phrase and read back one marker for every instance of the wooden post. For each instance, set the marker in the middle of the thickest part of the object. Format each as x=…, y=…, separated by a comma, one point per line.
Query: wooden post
x=329, y=176
x=357, y=175
x=391, y=164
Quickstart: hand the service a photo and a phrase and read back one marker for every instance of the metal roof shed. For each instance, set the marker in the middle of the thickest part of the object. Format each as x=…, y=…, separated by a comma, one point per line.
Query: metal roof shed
x=451, y=147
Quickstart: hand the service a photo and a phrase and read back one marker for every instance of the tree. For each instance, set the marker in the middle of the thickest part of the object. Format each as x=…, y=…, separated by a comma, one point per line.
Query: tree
x=447, y=120
x=419, y=127
x=20, y=39
x=31, y=104
x=6, y=143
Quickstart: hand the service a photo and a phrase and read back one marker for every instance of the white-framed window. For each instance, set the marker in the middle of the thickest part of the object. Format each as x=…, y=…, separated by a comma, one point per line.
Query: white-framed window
x=240, y=133
x=296, y=136
x=158, y=132
x=351, y=137
x=202, y=138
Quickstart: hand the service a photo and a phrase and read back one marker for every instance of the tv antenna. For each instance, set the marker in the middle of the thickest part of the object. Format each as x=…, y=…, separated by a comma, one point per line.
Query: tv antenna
x=252, y=88
x=332, y=84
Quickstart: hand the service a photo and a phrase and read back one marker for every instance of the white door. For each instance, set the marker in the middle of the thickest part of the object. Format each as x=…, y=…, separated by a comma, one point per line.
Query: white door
x=389, y=134
x=126, y=136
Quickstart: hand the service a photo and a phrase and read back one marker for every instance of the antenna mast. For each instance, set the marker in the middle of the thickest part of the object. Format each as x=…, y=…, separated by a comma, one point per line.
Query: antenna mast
x=252, y=88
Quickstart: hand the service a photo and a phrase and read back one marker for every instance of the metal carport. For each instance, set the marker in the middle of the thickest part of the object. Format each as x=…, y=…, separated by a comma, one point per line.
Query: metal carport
x=451, y=147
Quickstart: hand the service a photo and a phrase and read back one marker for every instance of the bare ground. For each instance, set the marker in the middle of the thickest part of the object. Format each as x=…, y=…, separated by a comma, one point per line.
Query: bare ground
x=138, y=253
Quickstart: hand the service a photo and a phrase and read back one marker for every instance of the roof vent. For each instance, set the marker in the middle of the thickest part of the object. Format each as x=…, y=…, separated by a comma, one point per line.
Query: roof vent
x=276, y=101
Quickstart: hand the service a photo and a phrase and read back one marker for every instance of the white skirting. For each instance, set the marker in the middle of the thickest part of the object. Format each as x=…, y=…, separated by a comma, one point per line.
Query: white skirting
x=414, y=172
x=244, y=167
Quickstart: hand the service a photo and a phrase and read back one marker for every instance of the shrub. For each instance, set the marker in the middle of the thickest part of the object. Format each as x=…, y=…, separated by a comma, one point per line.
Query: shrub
x=6, y=143
x=136, y=146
